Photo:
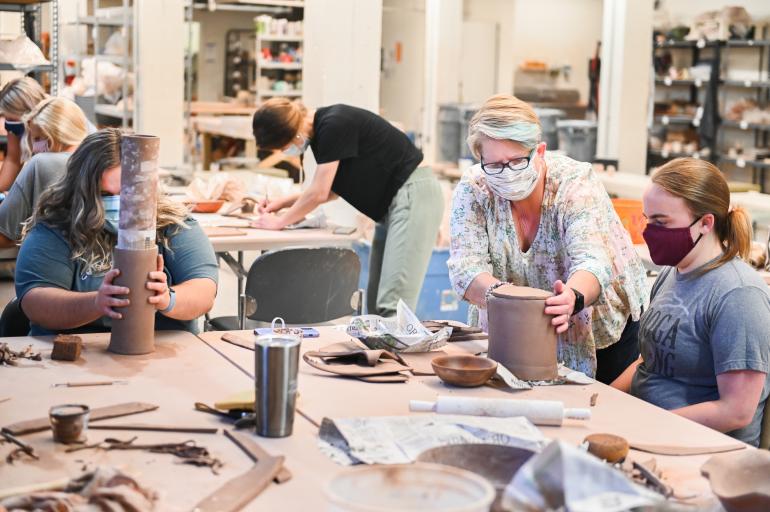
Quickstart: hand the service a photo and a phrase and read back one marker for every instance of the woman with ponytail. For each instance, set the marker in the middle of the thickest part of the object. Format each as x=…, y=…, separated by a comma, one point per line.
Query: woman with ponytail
x=372, y=165
x=705, y=339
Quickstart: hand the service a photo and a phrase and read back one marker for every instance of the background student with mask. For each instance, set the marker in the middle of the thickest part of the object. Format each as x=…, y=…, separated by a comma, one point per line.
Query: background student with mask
x=373, y=166
x=17, y=98
x=537, y=219
x=705, y=339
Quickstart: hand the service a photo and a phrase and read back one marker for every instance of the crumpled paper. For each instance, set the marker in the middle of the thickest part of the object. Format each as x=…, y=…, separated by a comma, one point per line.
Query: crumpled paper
x=504, y=379
x=400, y=439
x=404, y=333
x=316, y=220
x=564, y=477
x=219, y=186
x=22, y=53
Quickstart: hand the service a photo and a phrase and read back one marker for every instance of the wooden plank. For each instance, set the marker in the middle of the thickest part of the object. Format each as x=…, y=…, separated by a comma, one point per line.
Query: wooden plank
x=99, y=413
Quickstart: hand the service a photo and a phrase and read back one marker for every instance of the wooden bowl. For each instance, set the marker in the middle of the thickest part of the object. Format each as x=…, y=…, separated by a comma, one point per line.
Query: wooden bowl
x=206, y=206
x=464, y=371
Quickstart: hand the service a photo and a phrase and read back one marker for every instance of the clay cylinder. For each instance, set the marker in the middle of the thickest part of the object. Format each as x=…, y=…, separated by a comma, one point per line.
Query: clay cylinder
x=135, y=332
x=138, y=191
x=521, y=336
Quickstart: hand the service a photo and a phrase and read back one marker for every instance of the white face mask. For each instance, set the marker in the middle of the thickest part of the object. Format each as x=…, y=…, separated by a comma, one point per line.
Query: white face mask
x=295, y=150
x=514, y=185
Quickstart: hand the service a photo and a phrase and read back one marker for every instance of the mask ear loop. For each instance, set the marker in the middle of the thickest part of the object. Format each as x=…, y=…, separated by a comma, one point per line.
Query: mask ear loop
x=700, y=234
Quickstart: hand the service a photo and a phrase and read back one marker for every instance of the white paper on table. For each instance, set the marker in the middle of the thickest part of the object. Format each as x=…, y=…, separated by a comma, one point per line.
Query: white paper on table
x=575, y=481
x=565, y=376
x=400, y=439
x=404, y=333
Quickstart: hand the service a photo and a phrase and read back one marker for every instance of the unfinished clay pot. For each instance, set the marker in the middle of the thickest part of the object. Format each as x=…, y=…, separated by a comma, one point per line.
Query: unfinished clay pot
x=740, y=480
x=521, y=336
x=135, y=333
x=464, y=370
x=497, y=464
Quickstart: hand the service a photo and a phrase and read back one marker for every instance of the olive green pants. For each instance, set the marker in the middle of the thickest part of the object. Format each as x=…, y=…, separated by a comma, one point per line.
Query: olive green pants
x=403, y=243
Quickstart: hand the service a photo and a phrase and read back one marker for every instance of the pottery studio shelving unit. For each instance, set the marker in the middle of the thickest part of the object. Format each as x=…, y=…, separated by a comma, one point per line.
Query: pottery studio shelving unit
x=279, y=51
x=97, y=27
x=690, y=92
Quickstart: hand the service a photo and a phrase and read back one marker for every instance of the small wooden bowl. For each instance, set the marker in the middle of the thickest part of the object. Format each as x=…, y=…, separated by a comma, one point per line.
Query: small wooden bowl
x=206, y=206
x=464, y=371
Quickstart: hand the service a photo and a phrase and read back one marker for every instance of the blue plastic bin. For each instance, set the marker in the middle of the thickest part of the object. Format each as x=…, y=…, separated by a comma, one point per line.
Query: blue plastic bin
x=437, y=301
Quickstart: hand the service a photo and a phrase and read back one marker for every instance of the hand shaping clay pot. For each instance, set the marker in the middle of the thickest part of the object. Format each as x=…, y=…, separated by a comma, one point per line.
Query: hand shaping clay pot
x=521, y=336
x=134, y=333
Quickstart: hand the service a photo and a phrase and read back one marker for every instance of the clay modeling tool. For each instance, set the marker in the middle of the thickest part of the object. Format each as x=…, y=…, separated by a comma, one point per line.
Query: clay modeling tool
x=99, y=413
x=89, y=383
x=539, y=412
x=237, y=341
x=233, y=414
x=653, y=480
x=18, y=442
x=663, y=449
x=239, y=491
x=157, y=428
x=255, y=452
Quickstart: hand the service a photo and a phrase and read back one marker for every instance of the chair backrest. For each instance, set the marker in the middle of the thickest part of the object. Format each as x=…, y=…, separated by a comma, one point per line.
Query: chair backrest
x=13, y=321
x=303, y=285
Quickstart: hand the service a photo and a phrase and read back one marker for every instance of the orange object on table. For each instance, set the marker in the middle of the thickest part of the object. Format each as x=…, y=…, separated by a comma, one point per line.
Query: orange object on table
x=632, y=216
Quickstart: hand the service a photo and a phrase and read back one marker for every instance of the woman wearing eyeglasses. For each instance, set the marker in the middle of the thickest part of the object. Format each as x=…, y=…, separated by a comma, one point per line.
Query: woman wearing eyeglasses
x=542, y=220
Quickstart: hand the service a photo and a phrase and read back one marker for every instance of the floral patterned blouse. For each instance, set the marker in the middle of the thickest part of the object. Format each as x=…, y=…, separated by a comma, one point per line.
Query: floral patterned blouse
x=579, y=230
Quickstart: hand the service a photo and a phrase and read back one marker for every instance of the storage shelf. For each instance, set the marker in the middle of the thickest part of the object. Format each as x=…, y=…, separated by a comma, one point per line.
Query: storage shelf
x=280, y=39
x=679, y=154
x=746, y=126
x=106, y=22
x=672, y=83
x=749, y=84
x=675, y=119
x=26, y=7
x=113, y=111
x=5, y=66
x=115, y=59
x=740, y=162
x=288, y=94
x=687, y=44
x=751, y=43
x=294, y=66
x=251, y=6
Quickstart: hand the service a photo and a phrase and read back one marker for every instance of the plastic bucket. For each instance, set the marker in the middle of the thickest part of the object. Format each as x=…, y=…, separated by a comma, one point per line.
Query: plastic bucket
x=419, y=487
x=549, y=118
x=631, y=215
x=577, y=138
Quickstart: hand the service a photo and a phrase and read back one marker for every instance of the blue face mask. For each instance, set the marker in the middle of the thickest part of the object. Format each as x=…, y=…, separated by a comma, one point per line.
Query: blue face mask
x=111, y=206
x=15, y=127
x=295, y=150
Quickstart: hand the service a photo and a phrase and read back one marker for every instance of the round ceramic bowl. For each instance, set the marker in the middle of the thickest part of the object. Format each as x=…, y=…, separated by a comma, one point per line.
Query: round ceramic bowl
x=464, y=371
x=206, y=206
x=417, y=487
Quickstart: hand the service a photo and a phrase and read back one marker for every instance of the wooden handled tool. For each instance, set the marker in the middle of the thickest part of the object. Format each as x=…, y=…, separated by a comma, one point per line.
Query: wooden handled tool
x=99, y=413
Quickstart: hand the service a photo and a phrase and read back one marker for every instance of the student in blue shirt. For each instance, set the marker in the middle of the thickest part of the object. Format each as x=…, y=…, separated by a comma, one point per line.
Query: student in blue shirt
x=64, y=279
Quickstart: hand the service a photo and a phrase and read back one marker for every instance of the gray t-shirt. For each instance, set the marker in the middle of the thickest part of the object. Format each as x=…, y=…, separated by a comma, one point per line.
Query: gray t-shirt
x=700, y=326
x=37, y=175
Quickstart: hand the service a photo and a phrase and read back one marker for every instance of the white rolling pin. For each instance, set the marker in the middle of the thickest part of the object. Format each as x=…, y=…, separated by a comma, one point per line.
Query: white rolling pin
x=539, y=412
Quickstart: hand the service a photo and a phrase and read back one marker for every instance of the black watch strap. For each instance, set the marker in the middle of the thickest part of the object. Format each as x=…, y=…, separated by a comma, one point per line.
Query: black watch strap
x=580, y=302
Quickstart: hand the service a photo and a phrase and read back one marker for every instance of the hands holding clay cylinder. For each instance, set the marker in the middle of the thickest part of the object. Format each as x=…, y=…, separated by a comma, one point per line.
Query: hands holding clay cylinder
x=535, y=219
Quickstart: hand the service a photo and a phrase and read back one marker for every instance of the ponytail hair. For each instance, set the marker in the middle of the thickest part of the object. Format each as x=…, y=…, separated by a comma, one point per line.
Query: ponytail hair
x=277, y=122
x=703, y=188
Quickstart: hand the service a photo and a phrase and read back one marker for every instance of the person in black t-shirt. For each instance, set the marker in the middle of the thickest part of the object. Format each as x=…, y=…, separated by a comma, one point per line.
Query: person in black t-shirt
x=373, y=166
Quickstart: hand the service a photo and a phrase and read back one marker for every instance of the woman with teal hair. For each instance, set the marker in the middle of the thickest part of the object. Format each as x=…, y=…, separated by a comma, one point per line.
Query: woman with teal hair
x=538, y=219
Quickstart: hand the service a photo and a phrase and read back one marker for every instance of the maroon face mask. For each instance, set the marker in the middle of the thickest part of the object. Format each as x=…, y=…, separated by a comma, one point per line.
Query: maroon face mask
x=669, y=246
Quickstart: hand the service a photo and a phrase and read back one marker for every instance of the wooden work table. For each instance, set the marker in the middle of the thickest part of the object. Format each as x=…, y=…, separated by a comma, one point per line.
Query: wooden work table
x=185, y=369
x=323, y=394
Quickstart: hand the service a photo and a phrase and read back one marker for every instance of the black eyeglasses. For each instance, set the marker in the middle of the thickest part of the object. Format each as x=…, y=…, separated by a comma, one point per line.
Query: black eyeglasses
x=519, y=164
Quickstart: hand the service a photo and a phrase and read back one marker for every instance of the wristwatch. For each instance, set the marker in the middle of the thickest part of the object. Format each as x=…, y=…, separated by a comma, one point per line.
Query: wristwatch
x=171, y=300
x=580, y=302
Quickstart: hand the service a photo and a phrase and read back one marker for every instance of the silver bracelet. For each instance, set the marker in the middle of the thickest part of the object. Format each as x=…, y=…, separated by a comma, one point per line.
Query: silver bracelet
x=492, y=288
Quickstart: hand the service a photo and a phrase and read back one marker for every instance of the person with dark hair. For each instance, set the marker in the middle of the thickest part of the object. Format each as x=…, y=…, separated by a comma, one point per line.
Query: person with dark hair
x=371, y=164
x=705, y=339
x=64, y=274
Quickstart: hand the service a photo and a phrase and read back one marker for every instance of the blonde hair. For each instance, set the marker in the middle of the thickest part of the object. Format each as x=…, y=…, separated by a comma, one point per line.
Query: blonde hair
x=60, y=120
x=504, y=117
x=703, y=188
x=277, y=122
x=74, y=207
x=20, y=96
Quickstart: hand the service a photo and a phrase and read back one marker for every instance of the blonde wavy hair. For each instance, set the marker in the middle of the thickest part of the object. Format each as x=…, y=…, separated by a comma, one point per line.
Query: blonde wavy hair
x=60, y=120
x=703, y=188
x=20, y=96
x=504, y=117
x=73, y=205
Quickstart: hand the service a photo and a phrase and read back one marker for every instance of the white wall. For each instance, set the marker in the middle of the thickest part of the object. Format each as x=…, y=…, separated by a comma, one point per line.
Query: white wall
x=502, y=13
x=402, y=83
x=342, y=52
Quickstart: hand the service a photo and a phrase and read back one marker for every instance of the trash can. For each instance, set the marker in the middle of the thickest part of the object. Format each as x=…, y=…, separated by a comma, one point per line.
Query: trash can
x=448, y=133
x=466, y=114
x=577, y=138
x=548, y=119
